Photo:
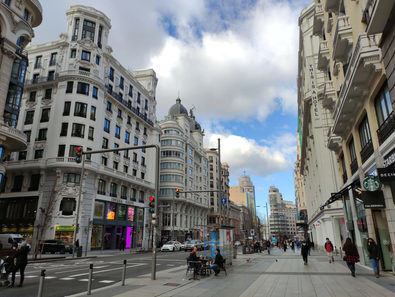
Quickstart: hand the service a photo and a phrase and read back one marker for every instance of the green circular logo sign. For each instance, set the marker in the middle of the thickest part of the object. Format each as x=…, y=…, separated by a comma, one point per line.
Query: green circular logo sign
x=371, y=183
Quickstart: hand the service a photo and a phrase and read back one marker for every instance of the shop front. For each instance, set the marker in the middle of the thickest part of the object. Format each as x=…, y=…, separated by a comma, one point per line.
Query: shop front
x=65, y=233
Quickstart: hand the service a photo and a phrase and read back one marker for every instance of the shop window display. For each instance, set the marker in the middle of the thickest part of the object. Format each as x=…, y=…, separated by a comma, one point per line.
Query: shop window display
x=99, y=210
x=97, y=235
x=130, y=214
x=111, y=209
x=121, y=215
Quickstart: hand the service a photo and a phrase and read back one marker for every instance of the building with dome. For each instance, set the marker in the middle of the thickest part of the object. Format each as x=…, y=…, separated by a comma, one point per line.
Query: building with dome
x=77, y=94
x=184, y=166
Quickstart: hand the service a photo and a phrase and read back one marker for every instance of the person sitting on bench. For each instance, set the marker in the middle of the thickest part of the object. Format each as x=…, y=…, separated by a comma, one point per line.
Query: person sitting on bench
x=218, y=263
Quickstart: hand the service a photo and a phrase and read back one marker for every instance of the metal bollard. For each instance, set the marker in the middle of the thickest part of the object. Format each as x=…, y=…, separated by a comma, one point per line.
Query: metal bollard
x=124, y=272
x=90, y=279
x=41, y=285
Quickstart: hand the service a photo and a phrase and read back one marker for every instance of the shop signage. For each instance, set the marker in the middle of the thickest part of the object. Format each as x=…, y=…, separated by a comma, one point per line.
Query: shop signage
x=387, y=174
x=64, y=228
x=389, y=159
x=314, y=98
x=371, y=183
x=121, y=201
x=373, y=199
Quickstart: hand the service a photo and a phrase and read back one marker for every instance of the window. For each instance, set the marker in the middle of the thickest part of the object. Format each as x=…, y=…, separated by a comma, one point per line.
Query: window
x=143, y=161
x=32, y=96
x=119, y=114
x=88, y=30
x=133, y=194
x=126, y=154
x=130, y=90
x=137, y=126
x=145, y=131
x=61, y=150
x=124, y=191
x=104, y=161
x=101, y=188
x=71, y=178
x=127, y=137
x=142, y=175
x=52, y=61
x=83, y=88
x=73, y=53
x=48, y=94
x=38, y=154
x=29, y=117
x=364, y=132
x=93, y=113
x=45, y=115
x=138, y=97
x=129, y=120
x=121, y=80
x=42, y=134
x=135, y=157
x=18, y=181
x=37, y=64
x=97, y=60
x=136, y=141
x=117, y=132
x=86, y=56
x=351, y=147
x=22, y=155
x=28, y=134
x=7, y=2
x=106, y=125
x=116, y=145
x=66, y=109
x=36, y=76
x=78, y=130
x=141, y=196
x=146, y=104
x=63, y=130
x=104, y=143
x=51, y=76
x=99, y=35
x=134, y=172
x=109, y=105
x=76, y=28
x=111, y=74
x=115, y=165
x=69, y=87
x=94, y=92
x=125, y=169
x=67, y=206
x=143, y=149
x=383, y=104
x=113, y=189
x=34, y=182
x=80, y=109
x=90, y=133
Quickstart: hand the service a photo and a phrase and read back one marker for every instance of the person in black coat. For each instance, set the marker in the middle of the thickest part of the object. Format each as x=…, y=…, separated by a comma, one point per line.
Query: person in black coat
x=304, y=251
x=20, y=260
x=218, y=262
x=374, y=255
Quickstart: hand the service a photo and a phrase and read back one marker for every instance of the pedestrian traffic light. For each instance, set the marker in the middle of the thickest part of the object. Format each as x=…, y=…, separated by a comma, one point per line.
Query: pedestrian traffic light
x=222, y=219
x=151, y=204
x=78, y=154
x=177, y=193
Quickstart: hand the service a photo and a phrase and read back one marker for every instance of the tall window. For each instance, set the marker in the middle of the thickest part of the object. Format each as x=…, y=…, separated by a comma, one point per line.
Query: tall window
x=32, y=96
x=83, y=88
x=78, y=130
x=117, y=131
x=69, y=88
x=38, y=154
x=86, y=56
x=104, y=143
x=127, y=137
x=130, y=90
x=111, y=74
x=364, y=132
x=29, y=117
x=88, y=30
x=90, y=133
x=383, y=104
x=48, y=94
x=37, y=64
x=93, y=113
x=113, y=189
x=138, y=97
x=94, y=92
x=73, y=53
x=106, y=125
x=66, y=109
x=34, y=182
x=61, y=150
x=18, y=181
x=80, y=109
x=76, y=28
x=63, y=130
x=26, y=15
x=99, y=36
x=101, y=188
x=45, y=115
x=121, y=81
x=52, y=61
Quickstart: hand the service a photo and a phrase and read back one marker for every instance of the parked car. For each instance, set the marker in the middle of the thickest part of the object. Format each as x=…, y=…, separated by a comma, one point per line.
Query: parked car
x=56, y=246
x=189, y=245
x=183, y=245
x=171, y=246
x=8, y=239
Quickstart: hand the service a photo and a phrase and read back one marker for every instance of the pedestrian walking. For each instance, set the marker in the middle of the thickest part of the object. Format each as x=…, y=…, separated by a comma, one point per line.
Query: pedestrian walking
x=285, y=246
x=304, y=251
x=293, y=246
x=269, y=246
x=20, y=261
x=329, y=250
x=351, y=255
x=309, y=246
x=374, y=255
x=122, y=244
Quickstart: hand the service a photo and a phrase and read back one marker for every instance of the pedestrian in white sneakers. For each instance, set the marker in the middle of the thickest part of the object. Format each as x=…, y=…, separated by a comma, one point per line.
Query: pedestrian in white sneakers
x=329, y=250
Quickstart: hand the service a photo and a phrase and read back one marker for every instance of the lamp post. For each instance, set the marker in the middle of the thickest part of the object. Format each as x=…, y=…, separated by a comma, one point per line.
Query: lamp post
x=267, y=218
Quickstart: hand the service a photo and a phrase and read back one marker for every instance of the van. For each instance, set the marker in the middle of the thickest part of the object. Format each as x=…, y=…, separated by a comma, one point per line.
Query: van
x=7, y=240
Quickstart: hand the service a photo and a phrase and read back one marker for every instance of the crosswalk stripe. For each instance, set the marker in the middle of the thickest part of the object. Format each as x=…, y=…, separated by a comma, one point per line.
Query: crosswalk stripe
x=67, y=278
x=106, y=281
x=106, y=270
x=30, y=276
x=50, y=277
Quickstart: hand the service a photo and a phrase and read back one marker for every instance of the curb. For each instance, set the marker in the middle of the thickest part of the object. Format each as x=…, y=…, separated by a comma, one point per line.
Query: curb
x=59, y=259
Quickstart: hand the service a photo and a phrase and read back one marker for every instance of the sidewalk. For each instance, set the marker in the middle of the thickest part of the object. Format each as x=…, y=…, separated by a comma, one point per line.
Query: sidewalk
x=261, y=275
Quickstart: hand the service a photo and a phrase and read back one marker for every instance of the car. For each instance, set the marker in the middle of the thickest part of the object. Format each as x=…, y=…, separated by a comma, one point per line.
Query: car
x=183, y=245
x=7, y=240
x=189, y=245
x=56, y=246
x=171, y=246
x=237, y=243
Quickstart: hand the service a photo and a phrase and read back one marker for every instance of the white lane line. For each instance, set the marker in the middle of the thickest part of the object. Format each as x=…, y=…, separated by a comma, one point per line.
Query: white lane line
x=106, y=281
x=101, y=271
x=84, y=280
x=67, y=278
x=50, y=277
x=30, y=276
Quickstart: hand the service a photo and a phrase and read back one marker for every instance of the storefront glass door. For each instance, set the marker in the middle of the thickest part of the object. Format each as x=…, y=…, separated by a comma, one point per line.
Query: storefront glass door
x=383, y=238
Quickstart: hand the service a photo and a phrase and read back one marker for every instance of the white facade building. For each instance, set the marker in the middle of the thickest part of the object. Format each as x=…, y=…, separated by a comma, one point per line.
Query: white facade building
x=183, y=166
x=78, y=94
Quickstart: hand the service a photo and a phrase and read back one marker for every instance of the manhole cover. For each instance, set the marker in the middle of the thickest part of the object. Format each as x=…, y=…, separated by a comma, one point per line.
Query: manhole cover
x=171, y=284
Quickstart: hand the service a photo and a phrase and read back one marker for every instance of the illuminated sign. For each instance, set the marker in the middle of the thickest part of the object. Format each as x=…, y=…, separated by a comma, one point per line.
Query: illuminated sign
x=130, y=214
x=111, y=215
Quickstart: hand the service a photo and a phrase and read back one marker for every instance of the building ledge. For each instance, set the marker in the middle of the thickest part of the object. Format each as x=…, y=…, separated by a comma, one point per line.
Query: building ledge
x=12, y=138
x=376, y=15
x=364, y=64
x=323, y=55
x=334, y=142
x=318, y=21
x=342, y=39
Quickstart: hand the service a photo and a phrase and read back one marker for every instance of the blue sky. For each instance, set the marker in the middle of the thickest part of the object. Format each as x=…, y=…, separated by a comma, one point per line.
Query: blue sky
x=234, y=62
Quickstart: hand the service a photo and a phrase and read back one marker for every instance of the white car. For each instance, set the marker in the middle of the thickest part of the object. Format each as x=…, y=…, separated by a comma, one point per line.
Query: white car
x=171, y=246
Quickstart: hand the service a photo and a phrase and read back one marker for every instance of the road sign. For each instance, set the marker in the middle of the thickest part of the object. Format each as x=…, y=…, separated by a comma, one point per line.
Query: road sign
x=252, y=232
x=224, y=201
x=371, y=183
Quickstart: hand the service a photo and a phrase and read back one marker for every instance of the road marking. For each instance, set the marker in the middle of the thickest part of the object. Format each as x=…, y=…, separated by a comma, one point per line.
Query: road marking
x=172, y=265
x=30, y=276
x=106, y=281
x=50, y=277
x=100, y=271
x=84, y=280
x=67, y=278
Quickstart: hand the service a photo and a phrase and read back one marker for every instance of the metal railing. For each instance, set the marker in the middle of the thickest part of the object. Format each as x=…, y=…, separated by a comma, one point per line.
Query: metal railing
x=41, y=79
x=386, y=128
x=367, y=151
x=354, y=166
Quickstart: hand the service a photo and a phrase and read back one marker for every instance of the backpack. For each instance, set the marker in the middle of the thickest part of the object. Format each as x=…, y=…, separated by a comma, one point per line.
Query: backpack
x=329, y=246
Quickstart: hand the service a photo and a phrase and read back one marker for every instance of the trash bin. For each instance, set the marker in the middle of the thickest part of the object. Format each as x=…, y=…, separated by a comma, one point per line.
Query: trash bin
x=79, y=251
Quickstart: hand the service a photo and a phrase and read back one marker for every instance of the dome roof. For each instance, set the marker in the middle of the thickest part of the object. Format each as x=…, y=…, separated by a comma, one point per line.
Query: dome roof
x=177, y=109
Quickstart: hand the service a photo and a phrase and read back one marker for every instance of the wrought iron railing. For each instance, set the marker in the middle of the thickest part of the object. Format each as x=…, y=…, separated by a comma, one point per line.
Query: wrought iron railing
x=386, y=128
x=367, y=151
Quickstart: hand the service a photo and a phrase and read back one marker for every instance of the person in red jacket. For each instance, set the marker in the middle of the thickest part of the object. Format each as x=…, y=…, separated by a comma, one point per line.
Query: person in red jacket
x=329, y=250
x=352, y=255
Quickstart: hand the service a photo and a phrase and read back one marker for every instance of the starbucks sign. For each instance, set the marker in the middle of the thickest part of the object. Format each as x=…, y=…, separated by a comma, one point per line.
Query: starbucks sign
x=371, y=183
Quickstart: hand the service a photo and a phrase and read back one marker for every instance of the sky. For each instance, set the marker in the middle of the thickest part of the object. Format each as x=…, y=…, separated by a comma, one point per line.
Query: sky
x=233, y=61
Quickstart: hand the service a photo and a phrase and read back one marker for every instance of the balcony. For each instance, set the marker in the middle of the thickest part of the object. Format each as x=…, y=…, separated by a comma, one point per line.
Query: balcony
x=364, y=64
x=376, y=15
x=318, y=21
x=41, y=81
x=329, y=99
x=386, y=128
x=342, y=39
x=334, y=141
x=13, y=139
x=367, y=151
x=323, y=55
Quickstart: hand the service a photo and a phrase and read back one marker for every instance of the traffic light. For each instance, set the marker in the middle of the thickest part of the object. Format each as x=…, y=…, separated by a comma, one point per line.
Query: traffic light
x=151, y=204
x=222, y=219
x=177, y=193
x=78, y=154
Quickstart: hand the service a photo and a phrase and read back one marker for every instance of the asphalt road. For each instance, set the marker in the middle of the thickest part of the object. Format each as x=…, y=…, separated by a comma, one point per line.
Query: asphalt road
x=69, y=277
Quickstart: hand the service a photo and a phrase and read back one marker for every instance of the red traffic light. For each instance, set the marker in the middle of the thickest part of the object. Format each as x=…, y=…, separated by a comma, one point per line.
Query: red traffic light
x=78, y=149
x=151, y=199
x=222, y=218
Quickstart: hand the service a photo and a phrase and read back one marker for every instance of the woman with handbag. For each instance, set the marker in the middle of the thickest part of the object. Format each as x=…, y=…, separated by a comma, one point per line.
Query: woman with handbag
x=351, y=256
x=374, y=255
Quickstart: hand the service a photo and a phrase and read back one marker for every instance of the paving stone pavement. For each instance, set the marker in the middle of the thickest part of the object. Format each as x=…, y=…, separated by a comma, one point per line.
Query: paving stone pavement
x=278, y=275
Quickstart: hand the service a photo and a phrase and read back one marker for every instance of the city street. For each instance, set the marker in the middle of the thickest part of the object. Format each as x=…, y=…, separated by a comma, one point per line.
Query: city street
x=71, y=276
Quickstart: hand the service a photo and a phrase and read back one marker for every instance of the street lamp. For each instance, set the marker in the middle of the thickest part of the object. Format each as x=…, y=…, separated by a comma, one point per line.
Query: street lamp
x=267, y=218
